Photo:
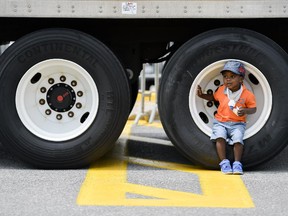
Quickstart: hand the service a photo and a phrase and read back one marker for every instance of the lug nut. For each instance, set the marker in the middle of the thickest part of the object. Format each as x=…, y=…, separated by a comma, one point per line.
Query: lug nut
x=74, y=83
x=210, y=91
x=42, y=89
x=41, y=101
x=50, y=80
x=79, y=93
x=70, y=114
x=78, y=105
x=209, y=103
x=47, y=111
x=217, y=82
x=62, y=78
x=59, y=116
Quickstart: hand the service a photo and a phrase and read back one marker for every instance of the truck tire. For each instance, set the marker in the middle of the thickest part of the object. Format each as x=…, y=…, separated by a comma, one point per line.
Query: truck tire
x=65, y=98
x=187, y=119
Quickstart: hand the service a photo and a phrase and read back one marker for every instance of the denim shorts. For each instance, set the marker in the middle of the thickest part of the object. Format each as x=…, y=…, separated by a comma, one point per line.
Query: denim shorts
x=232, y=132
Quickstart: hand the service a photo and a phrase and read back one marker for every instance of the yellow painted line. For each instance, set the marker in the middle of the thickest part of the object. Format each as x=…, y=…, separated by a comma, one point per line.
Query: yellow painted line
x=106, y=185
x=148, y=97
x=127, y=129
x=155, y=124
x=130, y=124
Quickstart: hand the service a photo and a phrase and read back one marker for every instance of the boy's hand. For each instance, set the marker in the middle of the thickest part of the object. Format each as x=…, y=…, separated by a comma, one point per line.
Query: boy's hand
x=241, y=111
x=244, y=111
x=200, y=94
x=199, y=91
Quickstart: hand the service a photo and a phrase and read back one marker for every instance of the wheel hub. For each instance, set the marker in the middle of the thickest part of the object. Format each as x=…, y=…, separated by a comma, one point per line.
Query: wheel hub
x=61, y=97
x=57, y=100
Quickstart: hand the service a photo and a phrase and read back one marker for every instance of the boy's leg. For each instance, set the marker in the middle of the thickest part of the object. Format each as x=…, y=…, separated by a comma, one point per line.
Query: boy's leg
x=221, y=148
x=221, y=151
x=237, y=134
x=219, y=135
x=238, y=151
x=237, y=166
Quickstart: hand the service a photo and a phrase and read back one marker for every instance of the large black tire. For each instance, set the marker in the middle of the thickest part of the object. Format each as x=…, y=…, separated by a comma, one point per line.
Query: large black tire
x=66, y=98
x=187, y=119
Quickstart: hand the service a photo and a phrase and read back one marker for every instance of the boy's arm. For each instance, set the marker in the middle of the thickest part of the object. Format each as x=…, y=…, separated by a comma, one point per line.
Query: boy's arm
x=246, y=111
x=251, y=103
x=208, y=97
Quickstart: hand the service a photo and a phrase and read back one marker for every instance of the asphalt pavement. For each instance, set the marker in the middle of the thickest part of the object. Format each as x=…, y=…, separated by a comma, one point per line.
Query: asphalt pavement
x=143, y=175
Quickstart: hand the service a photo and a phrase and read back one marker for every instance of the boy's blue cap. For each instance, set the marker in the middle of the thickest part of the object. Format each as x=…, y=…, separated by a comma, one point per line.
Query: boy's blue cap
x=235, y=67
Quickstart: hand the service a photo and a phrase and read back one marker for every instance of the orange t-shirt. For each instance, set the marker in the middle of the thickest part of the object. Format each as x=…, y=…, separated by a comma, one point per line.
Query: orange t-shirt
x=224, y=113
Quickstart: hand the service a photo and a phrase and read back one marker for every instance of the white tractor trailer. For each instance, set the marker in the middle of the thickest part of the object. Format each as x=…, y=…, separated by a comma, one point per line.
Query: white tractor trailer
x=70, y=78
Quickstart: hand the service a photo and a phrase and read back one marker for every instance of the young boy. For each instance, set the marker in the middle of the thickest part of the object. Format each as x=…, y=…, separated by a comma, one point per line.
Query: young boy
x=235, y=102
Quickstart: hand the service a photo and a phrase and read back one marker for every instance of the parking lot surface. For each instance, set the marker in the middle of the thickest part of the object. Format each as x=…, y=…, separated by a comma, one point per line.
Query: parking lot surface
x=143, y=175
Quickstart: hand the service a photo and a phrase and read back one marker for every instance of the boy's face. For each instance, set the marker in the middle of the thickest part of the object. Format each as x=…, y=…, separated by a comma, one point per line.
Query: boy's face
x=232, y=81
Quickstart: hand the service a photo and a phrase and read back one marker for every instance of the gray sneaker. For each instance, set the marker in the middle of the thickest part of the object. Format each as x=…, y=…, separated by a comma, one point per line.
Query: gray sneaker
x=226, y=167
x=237, y=168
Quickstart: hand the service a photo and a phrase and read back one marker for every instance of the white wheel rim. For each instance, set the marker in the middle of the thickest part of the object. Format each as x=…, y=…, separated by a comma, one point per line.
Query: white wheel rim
x=57, y=118
x=206, y=78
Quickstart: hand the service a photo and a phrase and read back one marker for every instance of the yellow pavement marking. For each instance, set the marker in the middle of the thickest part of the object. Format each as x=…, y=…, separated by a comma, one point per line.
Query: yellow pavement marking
x=106, y=185
x=153, y=124
x=150, y=97
x=127, y=129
